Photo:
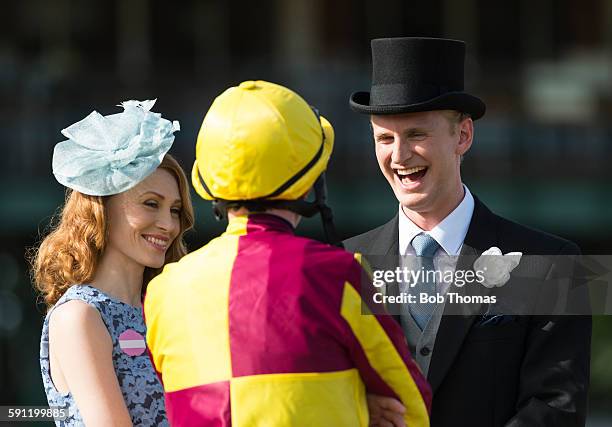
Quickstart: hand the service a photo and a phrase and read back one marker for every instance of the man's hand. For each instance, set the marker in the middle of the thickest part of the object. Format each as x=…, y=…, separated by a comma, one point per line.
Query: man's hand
x=385, y=411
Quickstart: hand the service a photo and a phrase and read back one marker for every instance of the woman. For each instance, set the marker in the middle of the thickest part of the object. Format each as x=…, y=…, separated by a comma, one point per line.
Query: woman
x=126, y=211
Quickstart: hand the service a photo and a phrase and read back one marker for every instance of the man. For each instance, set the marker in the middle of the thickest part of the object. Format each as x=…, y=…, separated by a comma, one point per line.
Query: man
x=259, y=326
x=507, y=371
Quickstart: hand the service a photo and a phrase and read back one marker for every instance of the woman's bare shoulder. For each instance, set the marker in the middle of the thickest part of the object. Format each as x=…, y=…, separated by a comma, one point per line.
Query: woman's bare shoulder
x=78, y=320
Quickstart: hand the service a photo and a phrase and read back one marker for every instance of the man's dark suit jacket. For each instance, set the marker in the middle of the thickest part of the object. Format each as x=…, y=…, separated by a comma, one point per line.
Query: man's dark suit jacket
x=527, y=372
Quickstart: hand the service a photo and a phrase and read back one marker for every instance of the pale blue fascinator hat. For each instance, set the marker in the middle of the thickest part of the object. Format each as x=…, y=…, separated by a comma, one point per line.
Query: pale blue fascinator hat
x=106, y=155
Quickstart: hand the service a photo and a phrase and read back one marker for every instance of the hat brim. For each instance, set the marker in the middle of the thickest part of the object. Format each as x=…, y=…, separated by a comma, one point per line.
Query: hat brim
x=460, y=101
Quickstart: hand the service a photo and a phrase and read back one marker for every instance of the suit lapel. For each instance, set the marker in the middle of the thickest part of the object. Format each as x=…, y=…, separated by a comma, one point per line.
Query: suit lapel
x=386, y=242
x=481, y=235
x=384, y=249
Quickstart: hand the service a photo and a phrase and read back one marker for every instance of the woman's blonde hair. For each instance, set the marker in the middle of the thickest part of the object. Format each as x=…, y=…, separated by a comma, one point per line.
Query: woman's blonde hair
x=69, y=254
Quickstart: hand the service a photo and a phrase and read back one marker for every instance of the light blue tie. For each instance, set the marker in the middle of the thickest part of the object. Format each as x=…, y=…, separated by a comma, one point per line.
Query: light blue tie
x=425, y=247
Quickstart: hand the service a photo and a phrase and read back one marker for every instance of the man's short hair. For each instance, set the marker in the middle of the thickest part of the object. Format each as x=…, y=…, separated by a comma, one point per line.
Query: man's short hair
x=455, y=117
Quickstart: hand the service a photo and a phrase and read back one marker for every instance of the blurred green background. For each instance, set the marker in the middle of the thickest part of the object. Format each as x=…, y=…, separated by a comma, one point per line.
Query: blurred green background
x=541, y=154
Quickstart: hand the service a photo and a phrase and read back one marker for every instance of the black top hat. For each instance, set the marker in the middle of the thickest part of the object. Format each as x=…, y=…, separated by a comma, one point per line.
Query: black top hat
x=411, y=74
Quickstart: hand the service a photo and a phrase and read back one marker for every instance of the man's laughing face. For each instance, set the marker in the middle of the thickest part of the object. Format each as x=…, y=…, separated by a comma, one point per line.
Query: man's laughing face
x=420, y=155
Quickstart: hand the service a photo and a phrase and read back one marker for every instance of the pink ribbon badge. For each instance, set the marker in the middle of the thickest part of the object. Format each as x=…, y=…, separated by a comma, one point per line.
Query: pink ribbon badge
x=132, y=343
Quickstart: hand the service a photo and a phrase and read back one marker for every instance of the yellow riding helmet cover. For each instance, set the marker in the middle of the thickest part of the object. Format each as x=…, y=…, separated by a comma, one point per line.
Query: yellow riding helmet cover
x=260, y=140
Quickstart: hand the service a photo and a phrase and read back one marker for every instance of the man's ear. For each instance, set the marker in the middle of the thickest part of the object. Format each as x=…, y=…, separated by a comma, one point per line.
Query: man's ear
x=465, y=130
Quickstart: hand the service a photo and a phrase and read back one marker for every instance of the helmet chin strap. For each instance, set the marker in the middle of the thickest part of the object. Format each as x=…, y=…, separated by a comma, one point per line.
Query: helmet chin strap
x=301, y=207
x=327, y=216
x=309, y=209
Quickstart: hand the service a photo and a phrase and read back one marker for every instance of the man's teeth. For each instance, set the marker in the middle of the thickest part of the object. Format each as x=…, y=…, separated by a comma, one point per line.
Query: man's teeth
x=404, y=172
x=157, y=242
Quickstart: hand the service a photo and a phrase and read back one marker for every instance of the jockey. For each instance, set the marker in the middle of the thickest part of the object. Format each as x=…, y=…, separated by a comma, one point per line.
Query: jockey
x=260, y=326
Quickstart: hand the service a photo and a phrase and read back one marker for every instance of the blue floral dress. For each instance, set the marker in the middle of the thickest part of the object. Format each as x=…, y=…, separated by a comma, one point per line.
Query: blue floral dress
x=141, y=388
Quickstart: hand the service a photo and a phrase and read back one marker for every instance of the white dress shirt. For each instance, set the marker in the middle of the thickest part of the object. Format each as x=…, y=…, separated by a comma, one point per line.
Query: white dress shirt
x=449, y=233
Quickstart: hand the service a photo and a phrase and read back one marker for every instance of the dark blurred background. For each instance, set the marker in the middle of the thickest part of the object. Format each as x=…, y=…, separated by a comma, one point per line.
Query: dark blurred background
x=541, y=154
